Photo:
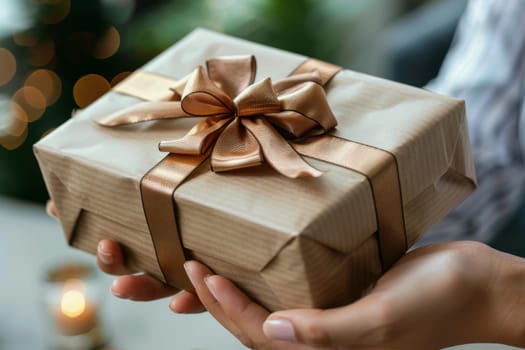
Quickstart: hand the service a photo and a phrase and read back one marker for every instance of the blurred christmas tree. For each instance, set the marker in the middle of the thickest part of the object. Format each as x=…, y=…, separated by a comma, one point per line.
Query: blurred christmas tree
x=66, y=58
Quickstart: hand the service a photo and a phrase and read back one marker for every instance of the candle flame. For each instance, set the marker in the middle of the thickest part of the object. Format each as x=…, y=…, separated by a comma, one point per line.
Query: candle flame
x=73, y=303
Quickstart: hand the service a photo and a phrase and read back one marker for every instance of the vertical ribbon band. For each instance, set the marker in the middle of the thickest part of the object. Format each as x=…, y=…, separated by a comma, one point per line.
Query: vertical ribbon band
x=381, y=171
x=157, y=187
x=294, y=105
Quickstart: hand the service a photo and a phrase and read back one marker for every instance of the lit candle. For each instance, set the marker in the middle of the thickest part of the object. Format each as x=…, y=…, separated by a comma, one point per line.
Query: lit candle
x=75, y=315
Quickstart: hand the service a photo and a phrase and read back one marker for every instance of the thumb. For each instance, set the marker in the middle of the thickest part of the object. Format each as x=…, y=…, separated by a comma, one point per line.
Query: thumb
x=353, y=325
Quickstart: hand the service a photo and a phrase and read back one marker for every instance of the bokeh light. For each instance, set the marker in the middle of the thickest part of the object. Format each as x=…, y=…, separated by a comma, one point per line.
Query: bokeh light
x=47, y=82
x=25, y=38
x=108, y=45
x=55, y=10
x=88, y=88
x=11, y=143
x=7, y=66
x=31, y=101
x=13, y=125
x=42, y=53
x=119, y=77
x=16, y=120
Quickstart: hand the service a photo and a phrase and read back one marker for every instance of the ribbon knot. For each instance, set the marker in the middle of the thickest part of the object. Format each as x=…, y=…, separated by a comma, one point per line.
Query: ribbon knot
x=245, y=122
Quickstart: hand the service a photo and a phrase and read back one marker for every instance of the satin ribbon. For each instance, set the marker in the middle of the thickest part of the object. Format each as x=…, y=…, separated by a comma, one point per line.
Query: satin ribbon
x=246, y=123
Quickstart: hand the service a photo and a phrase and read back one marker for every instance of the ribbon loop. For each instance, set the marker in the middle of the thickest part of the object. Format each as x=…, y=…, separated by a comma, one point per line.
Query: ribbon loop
x=203, y=99
x=232, y=74
x=294, y=123
x=256, y=99
x=310, y=101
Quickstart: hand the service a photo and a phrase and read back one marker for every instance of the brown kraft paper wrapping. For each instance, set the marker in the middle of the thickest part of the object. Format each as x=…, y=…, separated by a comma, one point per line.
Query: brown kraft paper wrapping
x=307, y=242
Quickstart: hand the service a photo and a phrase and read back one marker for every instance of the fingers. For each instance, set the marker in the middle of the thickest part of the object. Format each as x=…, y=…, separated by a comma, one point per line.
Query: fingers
x=141, y=288
x=356, y=325
x=197, y=273
x=51, y=209
x=245, y=313
x=186, y=303
x=110, y=258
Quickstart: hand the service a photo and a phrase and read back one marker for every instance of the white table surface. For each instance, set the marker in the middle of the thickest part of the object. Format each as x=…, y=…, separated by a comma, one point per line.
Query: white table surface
x=30, y=241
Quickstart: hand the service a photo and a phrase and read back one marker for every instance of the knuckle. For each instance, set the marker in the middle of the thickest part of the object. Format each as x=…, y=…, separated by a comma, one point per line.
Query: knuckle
x=264, y=346
x=251, y=344
x=211, y=305
x=382, y=320
x=384, y=334
x=382, y=313
x=315, y=334
x=247, y=342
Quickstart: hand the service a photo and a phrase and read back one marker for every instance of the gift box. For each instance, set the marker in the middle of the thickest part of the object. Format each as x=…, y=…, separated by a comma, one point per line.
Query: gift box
x=299, y=181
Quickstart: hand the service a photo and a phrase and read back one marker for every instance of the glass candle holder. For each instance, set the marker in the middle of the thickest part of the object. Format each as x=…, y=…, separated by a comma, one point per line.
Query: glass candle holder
x=72, y=297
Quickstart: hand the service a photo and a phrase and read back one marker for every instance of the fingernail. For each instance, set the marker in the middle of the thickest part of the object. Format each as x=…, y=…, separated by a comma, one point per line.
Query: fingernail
x=103, y=255
x=173, y=307
x=114, y=287
x=189, y=272
x=279, y=330
x=211, y=286
x=48, y=211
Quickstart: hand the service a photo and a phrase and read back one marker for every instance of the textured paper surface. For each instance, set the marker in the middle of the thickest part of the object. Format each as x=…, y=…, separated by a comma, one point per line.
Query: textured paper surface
x=305, y=242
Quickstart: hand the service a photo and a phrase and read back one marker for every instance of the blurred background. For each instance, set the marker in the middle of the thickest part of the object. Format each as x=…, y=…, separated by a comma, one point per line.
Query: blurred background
x=57, y=56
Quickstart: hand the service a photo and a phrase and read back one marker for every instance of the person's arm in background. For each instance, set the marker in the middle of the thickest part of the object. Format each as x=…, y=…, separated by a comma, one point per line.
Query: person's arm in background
x=486, y=67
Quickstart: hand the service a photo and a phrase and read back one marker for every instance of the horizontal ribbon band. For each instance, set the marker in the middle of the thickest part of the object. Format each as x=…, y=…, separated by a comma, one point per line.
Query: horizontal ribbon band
x=146, y=86
x=245, y=124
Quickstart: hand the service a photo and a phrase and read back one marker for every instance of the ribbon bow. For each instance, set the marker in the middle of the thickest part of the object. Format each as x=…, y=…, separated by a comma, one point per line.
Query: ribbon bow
x=245, y=122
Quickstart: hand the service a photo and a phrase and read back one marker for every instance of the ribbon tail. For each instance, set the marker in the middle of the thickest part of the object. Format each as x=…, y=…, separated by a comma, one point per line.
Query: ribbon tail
x=198, y=139
x=277, y=151
x=143, y=112
x=236, y=148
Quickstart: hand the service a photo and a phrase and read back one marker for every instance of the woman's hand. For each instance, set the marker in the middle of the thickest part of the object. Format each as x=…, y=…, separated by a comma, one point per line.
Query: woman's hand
x=138, y=287
x=233, y=309
x=434, y=297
